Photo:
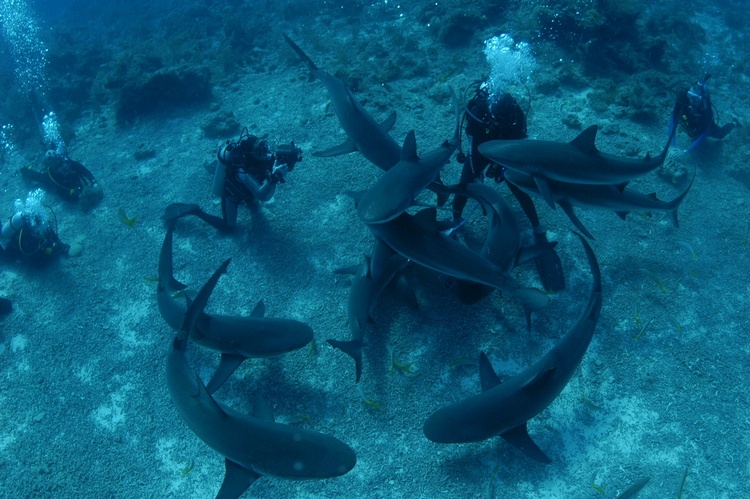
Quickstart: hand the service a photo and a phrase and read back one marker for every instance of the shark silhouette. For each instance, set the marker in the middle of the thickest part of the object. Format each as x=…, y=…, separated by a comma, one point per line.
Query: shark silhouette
x=577, y=161
x=364, y=133
x=237, y=338
x=252, y=445
x=504, y=408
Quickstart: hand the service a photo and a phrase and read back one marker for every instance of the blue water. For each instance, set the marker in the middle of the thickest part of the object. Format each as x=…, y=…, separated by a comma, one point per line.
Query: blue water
x=84, y=407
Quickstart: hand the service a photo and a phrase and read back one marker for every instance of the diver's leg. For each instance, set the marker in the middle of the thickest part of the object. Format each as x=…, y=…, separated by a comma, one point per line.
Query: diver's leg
x=459, y=202
x=229, y=214
x=548, y=264
x=178, y=210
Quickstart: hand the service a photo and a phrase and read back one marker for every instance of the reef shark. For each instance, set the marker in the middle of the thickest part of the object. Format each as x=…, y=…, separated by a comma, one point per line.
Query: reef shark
x=577, y=161
x=237, y=338
x=614, y=198
x=396, y=190
x=418, y=238
x=252, y=445
x=364, y=133
x=504, y=408
x=502, y=246
x=366, y=286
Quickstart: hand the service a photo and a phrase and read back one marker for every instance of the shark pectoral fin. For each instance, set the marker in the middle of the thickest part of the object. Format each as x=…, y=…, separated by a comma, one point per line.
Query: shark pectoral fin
x=519, y=437
x=353, y=349
x=545, y=190
x=388, y=123
x=350, y=270
x=622, y=214
x=262, y=410
x=406, y=292
x=237, y=479
x=228, y=364
x=621, y=187
x=568, y=209
x=259, y=310
x=344, y=148
x=487, y=375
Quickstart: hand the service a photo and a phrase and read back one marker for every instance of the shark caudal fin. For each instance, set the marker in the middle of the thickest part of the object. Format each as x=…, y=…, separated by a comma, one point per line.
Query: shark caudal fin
x=353, y=349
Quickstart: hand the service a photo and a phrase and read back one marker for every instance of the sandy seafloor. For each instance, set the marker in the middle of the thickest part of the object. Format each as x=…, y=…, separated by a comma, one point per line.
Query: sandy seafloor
x=84, y=410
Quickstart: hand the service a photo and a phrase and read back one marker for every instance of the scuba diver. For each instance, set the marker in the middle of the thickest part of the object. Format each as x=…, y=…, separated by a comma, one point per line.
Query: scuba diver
x=29, y=235
x=694, y=112
x=247, y=171
x=68, y=178
x=501, y=118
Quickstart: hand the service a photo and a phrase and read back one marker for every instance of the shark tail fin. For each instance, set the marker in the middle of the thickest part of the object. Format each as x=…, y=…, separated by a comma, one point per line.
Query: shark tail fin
x=353, y=349
x=301, y=54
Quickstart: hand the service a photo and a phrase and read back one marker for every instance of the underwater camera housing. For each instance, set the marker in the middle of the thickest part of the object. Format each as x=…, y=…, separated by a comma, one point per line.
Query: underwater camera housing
x=288, y=154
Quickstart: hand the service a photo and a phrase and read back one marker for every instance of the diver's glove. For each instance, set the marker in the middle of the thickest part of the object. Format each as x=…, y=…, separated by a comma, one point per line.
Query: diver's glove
x=278, y=175
x=548, y=264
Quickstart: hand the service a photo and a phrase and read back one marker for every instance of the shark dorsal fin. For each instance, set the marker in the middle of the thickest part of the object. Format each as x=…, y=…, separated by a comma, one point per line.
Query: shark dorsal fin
x=259, y=310
x=519, y=437
x=487, y=375
x=262, y=409
x=388, y=123
x=427, y=219
x=585, y=142
x=409, y=151
x=237, y=479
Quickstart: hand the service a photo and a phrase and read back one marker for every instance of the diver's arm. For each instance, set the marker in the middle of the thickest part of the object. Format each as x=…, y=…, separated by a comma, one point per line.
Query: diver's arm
x=262, y=192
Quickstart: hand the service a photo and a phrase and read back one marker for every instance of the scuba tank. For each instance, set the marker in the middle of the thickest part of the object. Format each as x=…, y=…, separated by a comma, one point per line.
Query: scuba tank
x=220, y=177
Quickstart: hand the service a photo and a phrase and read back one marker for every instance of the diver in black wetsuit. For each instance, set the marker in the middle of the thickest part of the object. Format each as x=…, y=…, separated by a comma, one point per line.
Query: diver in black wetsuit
x=694, y=112
x=247, y=171
x=68, y=178
x=502, y=118
x=30, y=237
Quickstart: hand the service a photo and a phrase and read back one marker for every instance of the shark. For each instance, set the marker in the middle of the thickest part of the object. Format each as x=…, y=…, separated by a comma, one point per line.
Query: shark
x=252, y=445
x=237, y=338
x=419, y=239
x=504, y=408
x=363, y=133
x=578, y=161
x=366, y=286
x=615, y=198
x=395, y=191
x=502, y=246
